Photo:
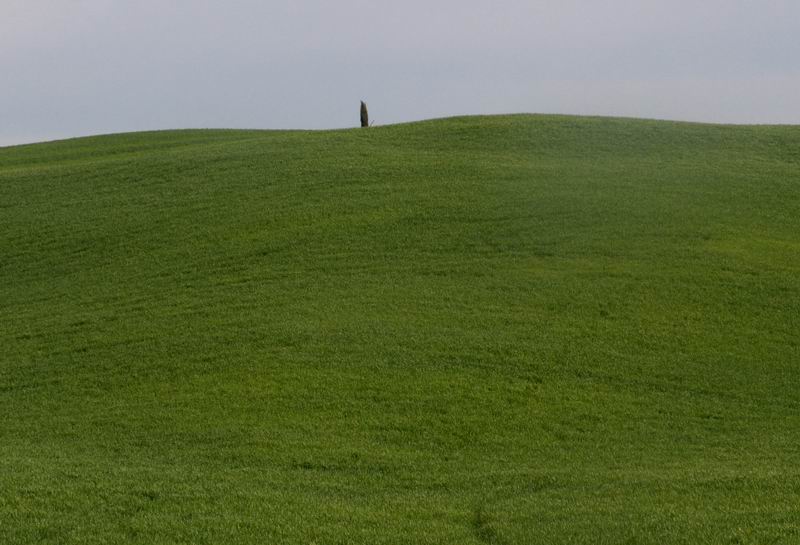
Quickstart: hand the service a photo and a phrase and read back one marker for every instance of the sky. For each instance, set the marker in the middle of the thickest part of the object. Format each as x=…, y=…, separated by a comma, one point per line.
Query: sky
x=80, y=67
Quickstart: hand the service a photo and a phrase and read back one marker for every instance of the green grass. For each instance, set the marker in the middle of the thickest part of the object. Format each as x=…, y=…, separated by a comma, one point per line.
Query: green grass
x=506, y=330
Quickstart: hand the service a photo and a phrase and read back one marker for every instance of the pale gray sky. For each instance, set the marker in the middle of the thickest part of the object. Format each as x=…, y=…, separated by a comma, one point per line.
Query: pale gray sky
x=79, y=67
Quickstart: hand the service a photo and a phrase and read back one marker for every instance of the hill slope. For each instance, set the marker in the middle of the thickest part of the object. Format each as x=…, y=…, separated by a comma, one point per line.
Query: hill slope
x=520, y=329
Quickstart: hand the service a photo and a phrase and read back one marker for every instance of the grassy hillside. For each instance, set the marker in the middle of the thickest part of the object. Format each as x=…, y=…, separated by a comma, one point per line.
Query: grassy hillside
x=509, y=330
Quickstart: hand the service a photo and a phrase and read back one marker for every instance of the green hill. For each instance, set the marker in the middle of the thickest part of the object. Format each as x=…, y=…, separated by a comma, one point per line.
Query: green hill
x=510, y=330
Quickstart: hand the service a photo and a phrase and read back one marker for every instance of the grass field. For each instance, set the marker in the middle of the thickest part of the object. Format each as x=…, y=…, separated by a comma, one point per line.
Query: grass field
x=503, y=330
